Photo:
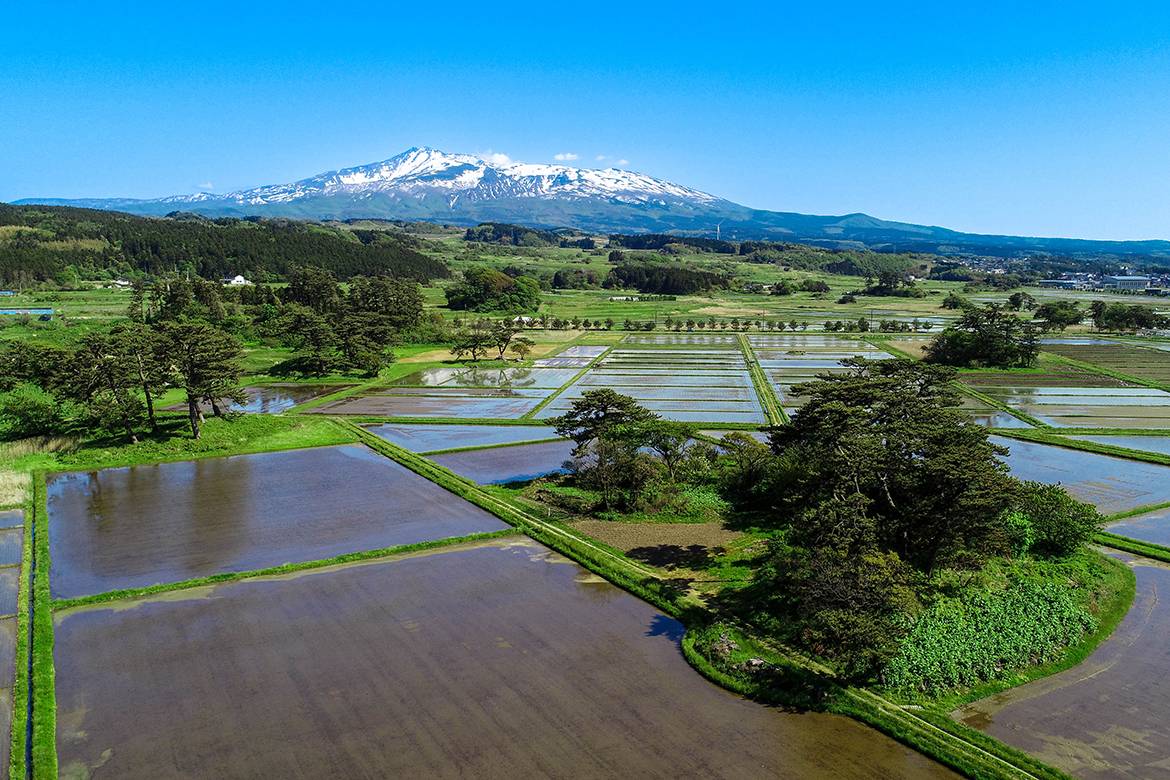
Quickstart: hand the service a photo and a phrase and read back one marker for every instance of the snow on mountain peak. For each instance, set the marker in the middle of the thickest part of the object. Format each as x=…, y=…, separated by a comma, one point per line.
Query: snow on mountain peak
x=420, y=171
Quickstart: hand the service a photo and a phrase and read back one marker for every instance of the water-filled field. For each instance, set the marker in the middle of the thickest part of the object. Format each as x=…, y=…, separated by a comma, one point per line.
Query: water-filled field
x=684, y=339
x=430, y=438
x=274, y=398
x=138, y=526
x=1109, y=716
x=498, y=405
x=1149, y=527
x=501, y=465
x=510, y=378
x=1158, y=444
x=492, y=660
x=1088, y=407
x=1112, y=484
x=11, y=540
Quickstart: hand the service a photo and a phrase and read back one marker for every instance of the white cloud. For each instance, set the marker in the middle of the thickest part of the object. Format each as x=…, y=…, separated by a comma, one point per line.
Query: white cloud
x=566, y=156
x=623, y=161
x=205, y=186
x=495, y=158
x=601, y=158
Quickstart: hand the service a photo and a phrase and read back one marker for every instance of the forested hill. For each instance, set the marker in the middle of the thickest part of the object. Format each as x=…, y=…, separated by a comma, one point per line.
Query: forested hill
x=43, y=242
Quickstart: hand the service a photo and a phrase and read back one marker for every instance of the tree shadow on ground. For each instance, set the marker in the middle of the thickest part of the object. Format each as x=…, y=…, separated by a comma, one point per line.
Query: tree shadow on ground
x=676, y=556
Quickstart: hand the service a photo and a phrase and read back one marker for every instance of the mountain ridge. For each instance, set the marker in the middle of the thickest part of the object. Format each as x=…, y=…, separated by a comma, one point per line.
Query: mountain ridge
x=427, y=184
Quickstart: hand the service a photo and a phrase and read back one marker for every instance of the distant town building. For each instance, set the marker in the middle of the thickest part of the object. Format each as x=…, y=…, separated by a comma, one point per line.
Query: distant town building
x=1062, y=284
x=235, y=281
x=1136, y=283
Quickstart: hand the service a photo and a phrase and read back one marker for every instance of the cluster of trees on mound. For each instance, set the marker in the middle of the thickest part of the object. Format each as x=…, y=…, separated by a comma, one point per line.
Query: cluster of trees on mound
x=483, y=289
x=662, y=241
x=61, y=243
x=899, y=547
x=881, y=489
x=986, y=336
x=664, y=279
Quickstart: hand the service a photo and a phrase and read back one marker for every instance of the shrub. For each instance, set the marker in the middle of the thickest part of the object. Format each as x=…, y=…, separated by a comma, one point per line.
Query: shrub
x=1060, y=523
x=978, y=637
x=27, y=410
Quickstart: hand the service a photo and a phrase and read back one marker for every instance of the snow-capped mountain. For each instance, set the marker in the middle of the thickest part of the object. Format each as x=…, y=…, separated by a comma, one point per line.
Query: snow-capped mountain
x=429, y=185
x=423, y=182
x=424, y=171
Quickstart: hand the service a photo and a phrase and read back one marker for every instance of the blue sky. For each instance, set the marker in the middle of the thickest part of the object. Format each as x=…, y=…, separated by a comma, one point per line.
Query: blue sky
x=1052, y=119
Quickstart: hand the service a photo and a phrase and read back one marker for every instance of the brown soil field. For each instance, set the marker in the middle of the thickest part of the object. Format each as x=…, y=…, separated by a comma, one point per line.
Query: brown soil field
x=138, y=526
x=500, y=465
x=497, y=660
x=1109, y=716
x=669, y=545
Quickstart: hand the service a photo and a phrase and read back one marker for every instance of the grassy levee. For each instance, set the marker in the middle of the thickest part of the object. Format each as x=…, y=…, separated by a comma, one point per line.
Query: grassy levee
x=949, y=747
x=798, y=681
x=997, y=404
x=764, y=391
x=42, y=689
x=273, y=571
x=1063, y=440
x=548, y=399
x=21, y=703
x=1150, y=550
x=886, y=346
x=497, y=446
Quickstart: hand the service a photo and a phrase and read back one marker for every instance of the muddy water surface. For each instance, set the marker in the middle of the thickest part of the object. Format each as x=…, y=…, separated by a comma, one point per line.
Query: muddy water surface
x=131, y=527
x=1109, y=716
x=494, y=661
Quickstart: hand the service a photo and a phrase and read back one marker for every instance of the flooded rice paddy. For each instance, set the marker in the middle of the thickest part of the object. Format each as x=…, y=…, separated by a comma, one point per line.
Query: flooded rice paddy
x=1109, y=716
x=492, y=660
x=12, y=533
x=1158, y=444
x=1151, y=527
x=435, y=437
x=274, y=398
x=497, y=406
x=138, y=526
x=515, y=463
x=1112, y=484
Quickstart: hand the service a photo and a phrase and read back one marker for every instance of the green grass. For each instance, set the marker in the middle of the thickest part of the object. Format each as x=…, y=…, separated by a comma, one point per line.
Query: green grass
x=18, y=758
x=244, y=434
x=764, y=390
x=1111, y=594
x=1150, y=550
x=43, y=681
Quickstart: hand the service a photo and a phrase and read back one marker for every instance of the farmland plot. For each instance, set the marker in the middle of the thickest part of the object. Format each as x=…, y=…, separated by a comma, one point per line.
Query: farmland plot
x=490, y=660
x=501, y=465
x=1151, y=365
x=142, y=525
x=1112, y=484
x=1109, y=716
x=438, y=436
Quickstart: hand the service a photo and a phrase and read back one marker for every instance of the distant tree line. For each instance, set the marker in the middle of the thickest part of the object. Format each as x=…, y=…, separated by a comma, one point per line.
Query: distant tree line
x=58, y=238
